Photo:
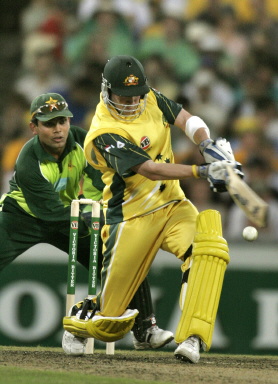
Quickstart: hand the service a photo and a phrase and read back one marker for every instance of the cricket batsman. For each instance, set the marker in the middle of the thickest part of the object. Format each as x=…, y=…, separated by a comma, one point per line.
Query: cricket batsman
x=145, y=209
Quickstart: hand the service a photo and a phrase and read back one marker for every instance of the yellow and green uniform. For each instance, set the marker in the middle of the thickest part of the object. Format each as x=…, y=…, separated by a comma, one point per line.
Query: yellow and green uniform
x=37, y=207
x=142, y=215
x=118, y=146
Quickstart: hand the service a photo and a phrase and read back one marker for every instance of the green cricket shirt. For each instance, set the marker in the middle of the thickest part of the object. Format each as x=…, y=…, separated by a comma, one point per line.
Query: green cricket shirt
x=44, y=187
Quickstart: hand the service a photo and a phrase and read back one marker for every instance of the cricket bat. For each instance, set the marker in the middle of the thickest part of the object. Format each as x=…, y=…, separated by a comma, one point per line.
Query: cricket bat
x=255, y=207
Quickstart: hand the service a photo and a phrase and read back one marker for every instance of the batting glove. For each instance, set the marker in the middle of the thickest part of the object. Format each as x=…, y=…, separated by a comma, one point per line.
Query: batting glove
x=216, y=150
x=216, y=173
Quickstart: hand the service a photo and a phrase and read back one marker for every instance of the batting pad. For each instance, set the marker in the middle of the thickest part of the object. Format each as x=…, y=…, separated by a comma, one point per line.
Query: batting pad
x=210, y=258
x=106, y=329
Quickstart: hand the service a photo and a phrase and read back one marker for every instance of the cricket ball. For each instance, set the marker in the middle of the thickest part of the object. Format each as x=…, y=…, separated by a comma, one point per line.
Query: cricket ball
x=250, y=233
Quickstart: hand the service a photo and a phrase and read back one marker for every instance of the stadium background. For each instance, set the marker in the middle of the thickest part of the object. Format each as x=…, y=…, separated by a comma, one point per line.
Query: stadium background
x=32, y=289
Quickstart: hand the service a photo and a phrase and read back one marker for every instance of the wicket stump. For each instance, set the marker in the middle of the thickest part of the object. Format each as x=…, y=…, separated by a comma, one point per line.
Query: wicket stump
x=93, y=265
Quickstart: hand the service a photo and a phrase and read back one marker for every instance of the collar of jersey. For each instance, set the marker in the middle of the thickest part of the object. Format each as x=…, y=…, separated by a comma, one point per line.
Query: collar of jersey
x=42, y=155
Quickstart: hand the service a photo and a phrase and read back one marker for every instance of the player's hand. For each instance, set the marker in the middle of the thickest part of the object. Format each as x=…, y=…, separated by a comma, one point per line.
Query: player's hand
x=216, y=173
x=216, y=150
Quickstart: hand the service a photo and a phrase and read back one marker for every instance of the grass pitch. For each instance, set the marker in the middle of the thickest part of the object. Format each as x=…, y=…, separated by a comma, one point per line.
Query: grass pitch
x=42, y=365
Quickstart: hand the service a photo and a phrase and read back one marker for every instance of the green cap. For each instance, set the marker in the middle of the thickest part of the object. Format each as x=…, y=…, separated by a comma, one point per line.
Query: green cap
x=125, y=76
x=48, y=106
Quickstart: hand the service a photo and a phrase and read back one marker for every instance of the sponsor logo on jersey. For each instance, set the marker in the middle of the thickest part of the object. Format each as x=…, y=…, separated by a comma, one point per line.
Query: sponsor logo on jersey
x=145, y=143
x=131, y=80
x=70, y=165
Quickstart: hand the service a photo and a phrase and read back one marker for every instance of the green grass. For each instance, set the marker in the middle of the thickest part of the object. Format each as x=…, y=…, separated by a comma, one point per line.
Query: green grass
x=15, y=375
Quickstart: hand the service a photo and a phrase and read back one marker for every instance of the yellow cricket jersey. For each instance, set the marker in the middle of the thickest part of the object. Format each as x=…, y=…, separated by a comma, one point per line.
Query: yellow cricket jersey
x=114, y=146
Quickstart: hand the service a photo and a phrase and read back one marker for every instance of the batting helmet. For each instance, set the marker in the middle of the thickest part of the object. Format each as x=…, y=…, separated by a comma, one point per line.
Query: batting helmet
x=124, y=76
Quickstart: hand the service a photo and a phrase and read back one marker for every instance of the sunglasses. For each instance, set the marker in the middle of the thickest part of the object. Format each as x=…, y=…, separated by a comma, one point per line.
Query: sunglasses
x=46, y=108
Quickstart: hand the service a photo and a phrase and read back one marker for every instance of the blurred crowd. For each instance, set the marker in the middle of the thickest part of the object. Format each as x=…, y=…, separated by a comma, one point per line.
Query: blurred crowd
x=218, y=58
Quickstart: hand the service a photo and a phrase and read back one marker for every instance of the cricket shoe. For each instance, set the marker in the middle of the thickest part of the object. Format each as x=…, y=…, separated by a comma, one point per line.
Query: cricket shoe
x=155, y=338
x=73, y=345
x=189, y=350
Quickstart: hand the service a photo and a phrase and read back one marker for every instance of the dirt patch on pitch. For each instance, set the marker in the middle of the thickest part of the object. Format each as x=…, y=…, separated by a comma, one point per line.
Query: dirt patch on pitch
x=155, y=366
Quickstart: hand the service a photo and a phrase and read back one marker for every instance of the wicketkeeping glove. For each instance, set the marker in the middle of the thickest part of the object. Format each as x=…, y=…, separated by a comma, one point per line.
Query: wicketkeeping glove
x=216, y=150
x=216, y=173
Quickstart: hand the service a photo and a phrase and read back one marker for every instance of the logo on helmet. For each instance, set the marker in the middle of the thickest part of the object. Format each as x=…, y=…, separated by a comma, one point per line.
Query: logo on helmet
x=131, y=80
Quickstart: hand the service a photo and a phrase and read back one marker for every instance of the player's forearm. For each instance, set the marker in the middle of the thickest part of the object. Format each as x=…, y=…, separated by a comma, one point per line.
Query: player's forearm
x=165, y=171
x=193, y=126
x=200, y=135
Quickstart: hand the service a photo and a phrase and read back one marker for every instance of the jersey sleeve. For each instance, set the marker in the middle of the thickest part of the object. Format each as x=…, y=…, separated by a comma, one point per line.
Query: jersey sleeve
x=120, y=153
x=170, y=108
x=41, y=198
x=92, y=184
